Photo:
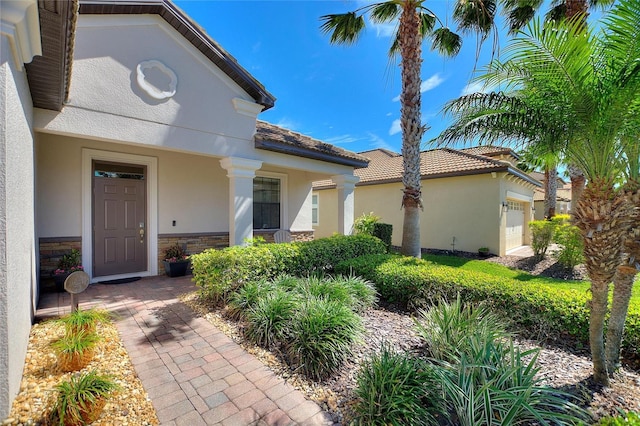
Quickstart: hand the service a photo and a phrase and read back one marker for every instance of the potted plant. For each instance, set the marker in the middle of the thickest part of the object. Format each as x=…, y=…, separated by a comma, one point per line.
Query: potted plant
x=81, y=399
x=68, y=263
x=176, y=261
x=483, y=251
x=75, y=350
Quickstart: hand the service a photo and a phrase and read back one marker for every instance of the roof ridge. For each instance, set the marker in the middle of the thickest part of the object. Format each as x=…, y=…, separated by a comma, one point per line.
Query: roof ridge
x=478, y=157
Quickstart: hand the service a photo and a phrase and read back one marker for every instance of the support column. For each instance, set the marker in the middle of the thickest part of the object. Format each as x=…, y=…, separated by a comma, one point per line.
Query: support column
x=240, y=172
x=345, y=185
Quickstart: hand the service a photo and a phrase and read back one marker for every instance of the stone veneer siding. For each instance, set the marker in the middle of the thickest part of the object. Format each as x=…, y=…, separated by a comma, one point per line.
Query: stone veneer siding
x=51, y=251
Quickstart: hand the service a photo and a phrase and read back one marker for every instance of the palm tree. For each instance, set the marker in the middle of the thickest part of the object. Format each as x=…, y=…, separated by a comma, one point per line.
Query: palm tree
x=416, y=22
x=592, y=84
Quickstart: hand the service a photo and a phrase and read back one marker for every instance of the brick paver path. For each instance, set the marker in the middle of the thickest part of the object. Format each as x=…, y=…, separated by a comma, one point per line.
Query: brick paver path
x=194, y=374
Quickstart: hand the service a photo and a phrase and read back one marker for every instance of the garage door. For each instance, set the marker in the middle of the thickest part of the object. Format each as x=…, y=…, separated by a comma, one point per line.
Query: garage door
x=515, y=224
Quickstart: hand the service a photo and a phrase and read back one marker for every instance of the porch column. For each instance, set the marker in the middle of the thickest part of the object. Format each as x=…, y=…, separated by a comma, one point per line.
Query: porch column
x=345, y=185
x=240, y=172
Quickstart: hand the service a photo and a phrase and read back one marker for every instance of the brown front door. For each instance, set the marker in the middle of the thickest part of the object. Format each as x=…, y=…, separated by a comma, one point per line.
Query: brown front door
x=119, y=219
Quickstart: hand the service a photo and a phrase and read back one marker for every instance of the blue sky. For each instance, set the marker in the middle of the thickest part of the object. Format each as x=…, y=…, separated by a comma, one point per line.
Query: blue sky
x=344, y=95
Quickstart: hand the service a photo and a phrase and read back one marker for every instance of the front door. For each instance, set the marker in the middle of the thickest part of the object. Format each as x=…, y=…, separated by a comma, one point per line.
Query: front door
x=119, y=219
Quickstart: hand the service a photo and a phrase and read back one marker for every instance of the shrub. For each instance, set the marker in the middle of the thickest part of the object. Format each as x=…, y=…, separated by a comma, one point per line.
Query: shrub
x=384, y=231
x=83, y=320
x=269, y=318
x=246, y=297
x=322, y=333
x=219, y=273
x=81, y=399
x=397, y=389
x=327, y=288
x=363, y=293
x=571, y=245
x=539, y=309
x=75, y=350
x=364, y=224
x=494, y=383
x=541, y=236
x=448, y=328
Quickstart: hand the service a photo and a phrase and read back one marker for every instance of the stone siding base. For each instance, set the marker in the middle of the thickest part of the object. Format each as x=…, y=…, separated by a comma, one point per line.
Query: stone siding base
x=192, y=243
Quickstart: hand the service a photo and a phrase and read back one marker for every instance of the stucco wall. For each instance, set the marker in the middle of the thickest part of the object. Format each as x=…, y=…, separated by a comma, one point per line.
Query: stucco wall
x=17, y=266
x=466, y=207
x=192, y=190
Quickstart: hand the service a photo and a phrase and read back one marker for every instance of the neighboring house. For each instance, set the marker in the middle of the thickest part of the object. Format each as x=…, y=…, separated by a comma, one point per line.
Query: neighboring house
x=124, y=129
x=473, y=198
x=563, y=196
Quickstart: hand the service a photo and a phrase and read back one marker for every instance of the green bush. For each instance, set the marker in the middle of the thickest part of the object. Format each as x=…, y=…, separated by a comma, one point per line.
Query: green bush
x=397, y=389
x=446, y=328
x=384, y=231
x=571, y=245
x=494, y=383
x=363, y=293
x=364, y=224
x=539, y=309
x=322, y=333
x=241, y=301
x=219, y=273
x=541, y=236
x=629, y=419
x=270, y=317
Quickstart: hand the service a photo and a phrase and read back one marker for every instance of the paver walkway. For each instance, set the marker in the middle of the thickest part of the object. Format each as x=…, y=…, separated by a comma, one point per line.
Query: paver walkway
x=193, y=373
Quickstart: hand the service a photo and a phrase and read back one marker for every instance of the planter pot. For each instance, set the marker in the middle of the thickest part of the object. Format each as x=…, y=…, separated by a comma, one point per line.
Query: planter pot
x=484, y=253
x=59, y=281
x=176, y=269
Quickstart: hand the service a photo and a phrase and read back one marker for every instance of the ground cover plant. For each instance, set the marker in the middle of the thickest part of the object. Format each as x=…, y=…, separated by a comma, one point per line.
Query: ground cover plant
x=312, y=320
x=472, y=374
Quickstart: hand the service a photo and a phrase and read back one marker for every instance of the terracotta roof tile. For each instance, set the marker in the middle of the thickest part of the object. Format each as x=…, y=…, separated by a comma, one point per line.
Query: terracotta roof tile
x=490, y=150
x=274, y=138
x=386, y=166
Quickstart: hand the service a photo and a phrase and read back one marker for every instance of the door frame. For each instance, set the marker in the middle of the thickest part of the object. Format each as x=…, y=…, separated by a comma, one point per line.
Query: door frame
x=151, y=179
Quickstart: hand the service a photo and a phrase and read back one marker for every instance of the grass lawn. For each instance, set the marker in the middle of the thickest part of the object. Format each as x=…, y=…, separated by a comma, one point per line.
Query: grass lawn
x=502, y=271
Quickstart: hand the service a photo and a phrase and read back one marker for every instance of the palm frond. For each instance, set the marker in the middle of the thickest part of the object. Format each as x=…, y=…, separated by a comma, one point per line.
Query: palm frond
x=446, y=42
x=475, y=15
x=345, y=28
x=385, y=12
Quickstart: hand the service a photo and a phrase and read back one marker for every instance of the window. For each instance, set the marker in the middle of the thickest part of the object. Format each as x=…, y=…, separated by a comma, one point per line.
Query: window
x=314, y=209
x=266, y=203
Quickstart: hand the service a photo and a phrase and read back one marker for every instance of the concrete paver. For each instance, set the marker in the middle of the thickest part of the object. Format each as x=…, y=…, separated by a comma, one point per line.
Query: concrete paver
x=193, y=373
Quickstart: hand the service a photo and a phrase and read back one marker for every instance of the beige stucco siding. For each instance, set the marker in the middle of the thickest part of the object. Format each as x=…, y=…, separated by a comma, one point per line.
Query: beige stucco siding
x=192, y=190
x=17, y=254
x=465, y=207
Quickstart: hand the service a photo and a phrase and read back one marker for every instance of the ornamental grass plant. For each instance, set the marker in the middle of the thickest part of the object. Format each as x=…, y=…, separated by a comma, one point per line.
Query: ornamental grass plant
x=83, y=320
x=75, y=350
x=80, y=400
x=269, y=319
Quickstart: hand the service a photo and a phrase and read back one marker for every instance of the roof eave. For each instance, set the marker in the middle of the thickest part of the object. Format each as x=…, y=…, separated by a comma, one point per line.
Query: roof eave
x=284, y=148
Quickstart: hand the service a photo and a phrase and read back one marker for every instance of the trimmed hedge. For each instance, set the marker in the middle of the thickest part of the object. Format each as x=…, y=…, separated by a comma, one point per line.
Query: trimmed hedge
x=220, y=272
x=384, y=231
x=534, y=307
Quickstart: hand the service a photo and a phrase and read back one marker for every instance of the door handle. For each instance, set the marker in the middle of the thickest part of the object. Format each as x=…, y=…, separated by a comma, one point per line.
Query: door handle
x=141, y=235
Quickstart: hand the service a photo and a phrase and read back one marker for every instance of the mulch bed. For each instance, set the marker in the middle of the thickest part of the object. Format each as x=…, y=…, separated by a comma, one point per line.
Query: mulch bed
x=563, y=365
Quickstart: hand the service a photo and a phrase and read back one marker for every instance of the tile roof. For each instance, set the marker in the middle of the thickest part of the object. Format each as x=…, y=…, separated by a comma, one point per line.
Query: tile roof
x=386, y=166
x=274, y=138
x=490, y=151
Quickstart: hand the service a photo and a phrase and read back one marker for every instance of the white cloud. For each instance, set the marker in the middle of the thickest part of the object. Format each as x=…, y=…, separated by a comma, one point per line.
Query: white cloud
x=378, y=142
x=475, y=87
x=287, y=123
x=395, y=127
x=385, y=30
x=256, y=47
x=429, y=84
x=342, y=139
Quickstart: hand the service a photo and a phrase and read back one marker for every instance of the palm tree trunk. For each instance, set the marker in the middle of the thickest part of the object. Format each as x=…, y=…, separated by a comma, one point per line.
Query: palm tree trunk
x=623, y=281
x=550, y=191
x=577, y=185
x=604, y=219
x=412, y=130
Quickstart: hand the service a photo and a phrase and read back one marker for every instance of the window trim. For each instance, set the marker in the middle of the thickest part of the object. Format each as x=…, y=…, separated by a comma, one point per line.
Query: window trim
x=315, y=206
x=283, y=178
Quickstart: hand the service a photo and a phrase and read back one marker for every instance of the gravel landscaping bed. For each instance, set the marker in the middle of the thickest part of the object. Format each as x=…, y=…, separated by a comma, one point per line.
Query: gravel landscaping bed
x=129, y=405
